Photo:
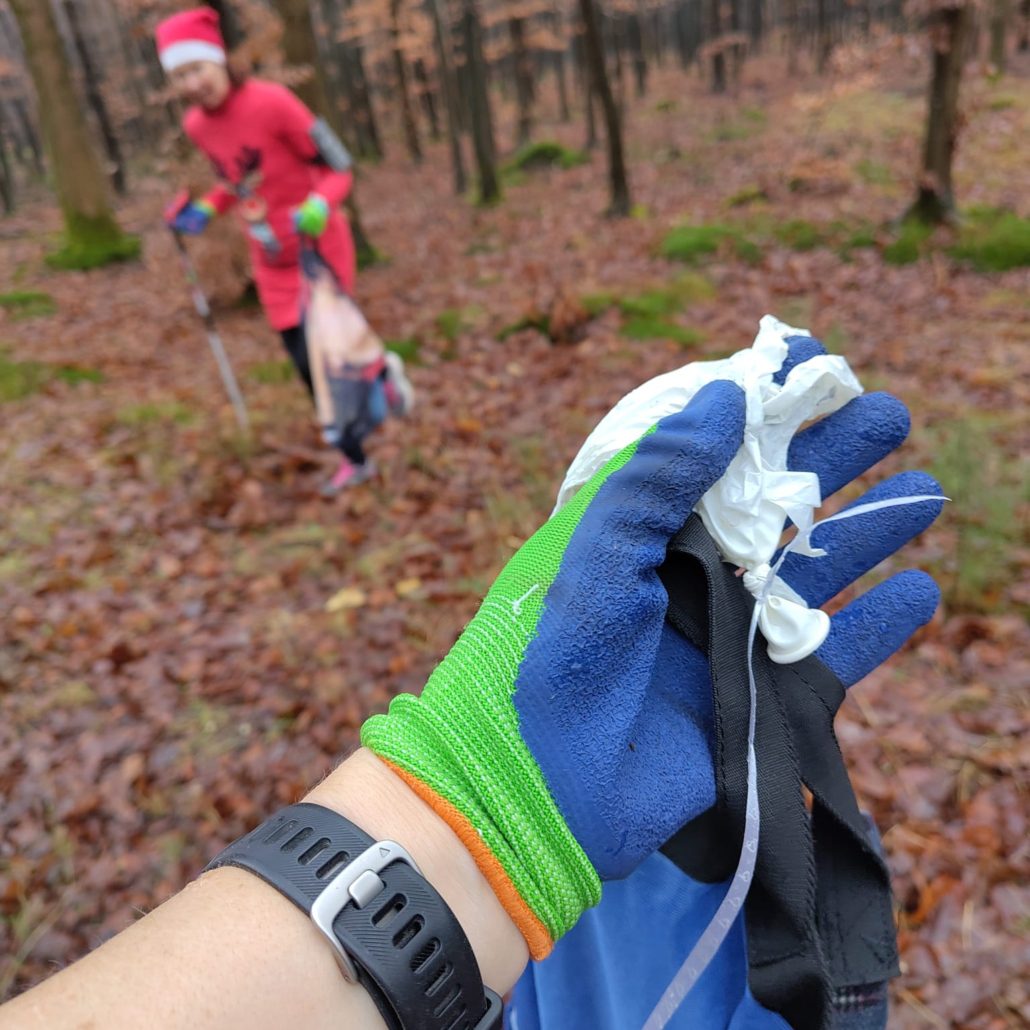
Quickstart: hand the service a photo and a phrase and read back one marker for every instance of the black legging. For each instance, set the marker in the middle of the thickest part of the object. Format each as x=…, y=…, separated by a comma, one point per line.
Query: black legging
x=296, y=345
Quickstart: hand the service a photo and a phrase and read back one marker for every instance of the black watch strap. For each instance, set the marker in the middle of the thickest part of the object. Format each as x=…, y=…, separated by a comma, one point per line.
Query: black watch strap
x=389, y=928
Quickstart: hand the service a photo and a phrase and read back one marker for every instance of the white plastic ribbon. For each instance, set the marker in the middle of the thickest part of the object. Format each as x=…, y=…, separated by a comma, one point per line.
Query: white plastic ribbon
x=746, y=509
x=715, y=932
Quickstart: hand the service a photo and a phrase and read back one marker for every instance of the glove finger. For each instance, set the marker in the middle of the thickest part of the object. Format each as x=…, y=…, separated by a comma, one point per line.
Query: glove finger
x=870, y=629
x=851, y=441
x=799, y=349
x=854, y=546
x=642, y=504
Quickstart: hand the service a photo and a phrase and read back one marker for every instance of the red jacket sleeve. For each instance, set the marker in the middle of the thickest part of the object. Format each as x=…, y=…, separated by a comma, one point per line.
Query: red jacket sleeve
x=221, y=198
x=294, y=122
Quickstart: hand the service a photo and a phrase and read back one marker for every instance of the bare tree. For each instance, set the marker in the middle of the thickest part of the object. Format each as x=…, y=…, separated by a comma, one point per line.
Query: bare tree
x=617, y=178
x=92, y=236
x=949, y=25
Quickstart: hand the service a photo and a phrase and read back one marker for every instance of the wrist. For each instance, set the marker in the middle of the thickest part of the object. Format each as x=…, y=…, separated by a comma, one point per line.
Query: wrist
x=366, y=791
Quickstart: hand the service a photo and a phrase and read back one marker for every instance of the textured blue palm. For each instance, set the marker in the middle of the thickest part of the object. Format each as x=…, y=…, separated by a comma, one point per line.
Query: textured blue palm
x=191, y=220
x=614, y=704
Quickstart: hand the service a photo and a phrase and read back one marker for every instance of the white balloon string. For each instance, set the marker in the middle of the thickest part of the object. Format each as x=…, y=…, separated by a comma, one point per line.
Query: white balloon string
x=719, y=925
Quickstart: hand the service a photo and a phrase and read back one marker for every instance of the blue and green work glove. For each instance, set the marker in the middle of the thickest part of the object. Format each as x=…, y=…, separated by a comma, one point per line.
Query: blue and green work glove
x=189, y=217
x=567, y=735
x=312, y=216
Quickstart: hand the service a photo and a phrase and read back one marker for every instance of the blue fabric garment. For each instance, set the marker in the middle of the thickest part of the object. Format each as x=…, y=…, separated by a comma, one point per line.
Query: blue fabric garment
x=609, y=971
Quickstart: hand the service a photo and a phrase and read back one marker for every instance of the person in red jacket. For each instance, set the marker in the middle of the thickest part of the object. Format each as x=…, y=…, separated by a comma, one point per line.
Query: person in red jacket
x=284, y=171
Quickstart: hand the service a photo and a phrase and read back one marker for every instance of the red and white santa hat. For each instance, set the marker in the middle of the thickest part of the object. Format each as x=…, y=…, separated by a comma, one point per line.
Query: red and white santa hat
x=190, y=36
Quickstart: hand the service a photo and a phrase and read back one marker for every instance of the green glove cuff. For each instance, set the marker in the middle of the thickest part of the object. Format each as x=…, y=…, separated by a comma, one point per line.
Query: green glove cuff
x=461, y=738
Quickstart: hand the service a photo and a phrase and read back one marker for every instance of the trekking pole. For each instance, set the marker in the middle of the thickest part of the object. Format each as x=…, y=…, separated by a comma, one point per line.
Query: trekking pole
x=213, y=338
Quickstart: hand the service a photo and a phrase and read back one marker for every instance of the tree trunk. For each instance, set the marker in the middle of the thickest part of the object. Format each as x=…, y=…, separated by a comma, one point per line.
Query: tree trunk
x=480, y=115
x=428, y=97
x=564, y=113
x=999, y=22
x=28, y=130
x=590, y=97
x=95, y=99
x=523, y=78
x=636, y=43
x=6, y=175
x=232, y=32
x=719, y=55
x=620, y=203
x=1024, y=29
x=92, y=234
x=365, y=95
x=452, y=101
x=400, y=70
x=301, y=48
x=824, y=41
x=755, y=25
x=949, y=30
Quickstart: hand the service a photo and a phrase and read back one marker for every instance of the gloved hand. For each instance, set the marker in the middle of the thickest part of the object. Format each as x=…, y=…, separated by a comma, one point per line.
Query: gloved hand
x=538, y=737
x=312, y=216
x=566, y=735
x=190, y=218
x=610, y=971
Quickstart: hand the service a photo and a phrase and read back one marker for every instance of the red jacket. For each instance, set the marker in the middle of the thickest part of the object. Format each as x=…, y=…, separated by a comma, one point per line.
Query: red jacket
x=260, y=146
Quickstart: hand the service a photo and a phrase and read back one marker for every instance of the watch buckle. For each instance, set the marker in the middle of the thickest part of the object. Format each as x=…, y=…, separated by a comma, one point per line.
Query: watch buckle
x=357, y=883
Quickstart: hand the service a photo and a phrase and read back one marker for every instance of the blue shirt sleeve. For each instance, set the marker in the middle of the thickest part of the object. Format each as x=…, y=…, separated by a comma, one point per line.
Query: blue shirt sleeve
x=609, y=971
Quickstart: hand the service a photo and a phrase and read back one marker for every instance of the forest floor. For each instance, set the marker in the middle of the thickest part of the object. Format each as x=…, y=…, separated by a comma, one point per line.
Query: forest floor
x=191, y=635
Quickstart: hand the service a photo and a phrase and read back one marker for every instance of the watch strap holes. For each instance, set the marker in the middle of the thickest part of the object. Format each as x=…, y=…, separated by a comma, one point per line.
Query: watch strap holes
x=458, y=1017
x=411, y=929
x=425, y=955
x=314, y=851
x=441, y=977
x=333, y=865
x=297, y=839
x=389, y=911
x=281, y=831
x=452, y=995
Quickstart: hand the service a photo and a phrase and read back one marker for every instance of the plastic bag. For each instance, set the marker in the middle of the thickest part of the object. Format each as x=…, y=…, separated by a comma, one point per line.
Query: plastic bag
x=746, y=509
x=345, y=354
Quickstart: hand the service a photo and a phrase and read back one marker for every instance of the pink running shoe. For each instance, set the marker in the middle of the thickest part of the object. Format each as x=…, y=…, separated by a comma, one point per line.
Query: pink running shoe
x=348, y=475
x=400, y=394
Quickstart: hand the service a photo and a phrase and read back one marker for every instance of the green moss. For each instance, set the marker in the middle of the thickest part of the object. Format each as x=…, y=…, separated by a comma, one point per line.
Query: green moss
x=154, y=413
x=646, y=327
x=993, y=240
x=1001, y=103
x=19, y=379
x=272, y=372
x=746, y=196
x=857, y=238
x=408, y=349
x=690, y=243
x=666, y=106
x=873, y=172
x=450, y=324
x=541, y=323
x=988, y=487
x=798, y=234
x=650, y=304
x=749, y=122
x=909, y=244
x=544, y=154
x=75, y=374
x=595, y=304
x=27, y=303
x=93, y=242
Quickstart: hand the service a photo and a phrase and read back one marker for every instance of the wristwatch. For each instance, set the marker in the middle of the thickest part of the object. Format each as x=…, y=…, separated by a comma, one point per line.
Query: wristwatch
x=388, y=927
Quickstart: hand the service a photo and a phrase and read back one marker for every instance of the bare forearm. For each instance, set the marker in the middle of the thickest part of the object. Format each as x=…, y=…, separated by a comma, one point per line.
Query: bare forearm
x=231, y=951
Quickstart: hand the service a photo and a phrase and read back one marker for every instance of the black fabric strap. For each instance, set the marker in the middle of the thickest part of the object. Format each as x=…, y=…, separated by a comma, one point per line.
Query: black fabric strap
x=818, y=914
x=409, y=951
